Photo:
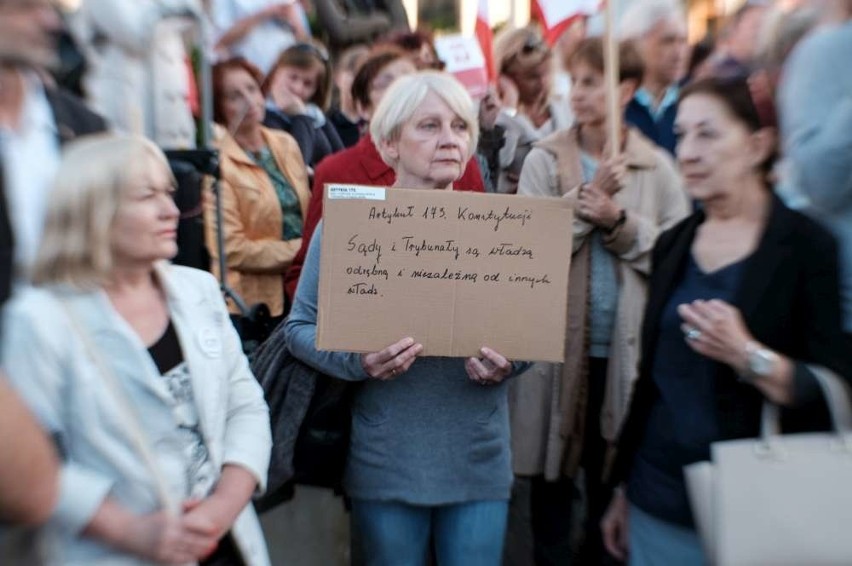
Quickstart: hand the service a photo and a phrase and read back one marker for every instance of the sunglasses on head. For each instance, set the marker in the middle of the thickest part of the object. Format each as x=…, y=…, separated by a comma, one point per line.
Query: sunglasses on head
x=532, y=44
x=311, y=49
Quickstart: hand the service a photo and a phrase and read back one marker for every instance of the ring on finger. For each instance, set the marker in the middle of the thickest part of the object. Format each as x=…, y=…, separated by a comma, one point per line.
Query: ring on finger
x=693, y=334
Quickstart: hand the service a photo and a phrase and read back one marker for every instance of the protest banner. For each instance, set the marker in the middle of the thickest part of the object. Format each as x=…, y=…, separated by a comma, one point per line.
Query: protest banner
x=454, y=270
x=463, y=58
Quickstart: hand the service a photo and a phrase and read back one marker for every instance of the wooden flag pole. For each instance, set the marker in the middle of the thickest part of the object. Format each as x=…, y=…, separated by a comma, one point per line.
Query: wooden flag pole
x=613, y=104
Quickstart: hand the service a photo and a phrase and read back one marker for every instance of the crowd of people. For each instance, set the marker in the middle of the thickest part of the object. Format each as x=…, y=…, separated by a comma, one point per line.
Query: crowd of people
x=711, y=271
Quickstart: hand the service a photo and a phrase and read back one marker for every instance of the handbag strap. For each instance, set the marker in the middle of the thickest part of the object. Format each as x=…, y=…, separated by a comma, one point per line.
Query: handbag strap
x=127, y=413
x=837, y=399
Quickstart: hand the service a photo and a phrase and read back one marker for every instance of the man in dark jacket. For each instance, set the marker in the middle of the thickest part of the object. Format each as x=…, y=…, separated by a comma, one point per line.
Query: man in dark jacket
x=659, y=29
x=35, y=120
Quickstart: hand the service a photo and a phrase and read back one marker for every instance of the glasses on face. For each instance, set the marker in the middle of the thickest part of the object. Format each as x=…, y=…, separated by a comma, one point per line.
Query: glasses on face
x=311, y=49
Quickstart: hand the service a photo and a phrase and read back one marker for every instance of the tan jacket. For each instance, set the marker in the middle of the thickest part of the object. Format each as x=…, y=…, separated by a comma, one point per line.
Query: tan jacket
x=548, y=403
x=256, y=255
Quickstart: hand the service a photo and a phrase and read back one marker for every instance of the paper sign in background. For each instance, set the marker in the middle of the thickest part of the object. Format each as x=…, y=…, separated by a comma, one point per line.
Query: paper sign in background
x=454, y=270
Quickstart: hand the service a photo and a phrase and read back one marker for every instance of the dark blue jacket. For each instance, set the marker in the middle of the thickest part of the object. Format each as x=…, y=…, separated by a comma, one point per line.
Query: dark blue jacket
x=662, y=132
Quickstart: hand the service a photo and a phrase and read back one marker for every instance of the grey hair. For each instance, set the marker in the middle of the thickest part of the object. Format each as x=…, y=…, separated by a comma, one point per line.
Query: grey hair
x=642, y=15
x=407, y=93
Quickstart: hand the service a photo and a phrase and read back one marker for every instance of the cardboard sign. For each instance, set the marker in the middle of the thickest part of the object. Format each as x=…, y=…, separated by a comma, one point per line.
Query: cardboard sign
x=454, y=270
x=464, y=60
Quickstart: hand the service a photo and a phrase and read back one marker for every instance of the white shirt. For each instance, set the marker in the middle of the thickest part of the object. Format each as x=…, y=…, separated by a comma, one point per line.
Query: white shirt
x=262, y=45
x=31, y=157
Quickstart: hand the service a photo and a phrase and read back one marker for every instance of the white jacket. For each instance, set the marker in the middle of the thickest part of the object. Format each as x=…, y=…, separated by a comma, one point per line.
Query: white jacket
x=48, y=363
x=138, y=78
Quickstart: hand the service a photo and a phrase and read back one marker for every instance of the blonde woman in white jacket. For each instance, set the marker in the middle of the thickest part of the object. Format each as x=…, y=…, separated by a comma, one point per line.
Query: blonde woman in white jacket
x=133, y=366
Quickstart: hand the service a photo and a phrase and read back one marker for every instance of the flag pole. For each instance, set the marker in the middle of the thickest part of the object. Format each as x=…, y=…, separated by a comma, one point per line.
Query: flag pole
x=611, y=64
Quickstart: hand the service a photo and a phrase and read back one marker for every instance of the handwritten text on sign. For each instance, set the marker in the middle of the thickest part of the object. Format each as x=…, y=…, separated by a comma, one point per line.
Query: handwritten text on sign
x=455, y=271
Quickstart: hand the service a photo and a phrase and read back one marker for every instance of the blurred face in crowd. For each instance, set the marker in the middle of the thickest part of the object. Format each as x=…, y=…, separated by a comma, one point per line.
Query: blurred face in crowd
x=389, y=73
x=743, y=39
x=28, y=31
x=433, y=146
x=144, y=229
x=301, y=83
x=664, y=50
x=588, y=94
x=534, y=82
x=242, y=103
x=424, y=58
x=715, y=150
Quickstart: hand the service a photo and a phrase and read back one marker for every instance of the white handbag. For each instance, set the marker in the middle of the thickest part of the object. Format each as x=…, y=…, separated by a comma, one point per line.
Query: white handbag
x=779, y=500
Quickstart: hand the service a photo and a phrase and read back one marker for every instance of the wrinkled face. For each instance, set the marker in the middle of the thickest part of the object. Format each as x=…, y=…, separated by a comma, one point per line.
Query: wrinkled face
x=301, y=83
x=389, y=73
x=664, y=51
x=715, y=150
x=28, y=31
x=534, y=82
x=242, y=100
x=432, y=148
x=144, y=229
x=588, y=94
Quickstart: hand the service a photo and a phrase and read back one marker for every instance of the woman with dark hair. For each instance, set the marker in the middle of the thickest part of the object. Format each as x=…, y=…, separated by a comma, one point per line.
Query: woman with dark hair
x=419, y=45
x=715, y=341
x=264, y=190
x=361, y=164
x=298, y=91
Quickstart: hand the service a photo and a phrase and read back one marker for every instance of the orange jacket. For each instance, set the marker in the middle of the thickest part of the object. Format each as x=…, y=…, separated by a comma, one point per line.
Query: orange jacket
x=255, y=254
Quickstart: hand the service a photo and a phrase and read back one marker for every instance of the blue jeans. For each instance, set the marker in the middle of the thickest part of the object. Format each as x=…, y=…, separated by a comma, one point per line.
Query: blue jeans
x=398, y=534
x=654, y=542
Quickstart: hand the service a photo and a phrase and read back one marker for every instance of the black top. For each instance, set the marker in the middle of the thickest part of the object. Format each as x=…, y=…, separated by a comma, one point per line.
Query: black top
x=166, y=351
x=315, y=143
x=790, y=301
x=682, y=422
x=349, y=132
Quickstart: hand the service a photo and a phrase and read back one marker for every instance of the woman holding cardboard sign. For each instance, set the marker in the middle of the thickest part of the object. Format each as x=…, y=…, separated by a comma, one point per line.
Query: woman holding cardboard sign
x=430, y=436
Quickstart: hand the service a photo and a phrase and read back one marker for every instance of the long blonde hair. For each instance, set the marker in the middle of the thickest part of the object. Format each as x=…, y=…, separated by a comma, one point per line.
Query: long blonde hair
x=92, y=179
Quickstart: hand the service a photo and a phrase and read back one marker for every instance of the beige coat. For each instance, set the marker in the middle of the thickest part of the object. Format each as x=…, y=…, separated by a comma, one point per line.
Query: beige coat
x=256, y=255
x=548, y=403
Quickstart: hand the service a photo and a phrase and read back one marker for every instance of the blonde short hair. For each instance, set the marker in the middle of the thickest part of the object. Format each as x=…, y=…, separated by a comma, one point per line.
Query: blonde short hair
x=407, y=93
x=94, y=175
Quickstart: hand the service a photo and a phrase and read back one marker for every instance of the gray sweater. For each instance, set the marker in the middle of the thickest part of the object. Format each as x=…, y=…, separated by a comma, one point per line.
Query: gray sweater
x=429, y=437
x=815, y=101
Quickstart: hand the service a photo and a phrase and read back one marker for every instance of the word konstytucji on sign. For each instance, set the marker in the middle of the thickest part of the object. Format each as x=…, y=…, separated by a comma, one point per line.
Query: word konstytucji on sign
x=454, y=270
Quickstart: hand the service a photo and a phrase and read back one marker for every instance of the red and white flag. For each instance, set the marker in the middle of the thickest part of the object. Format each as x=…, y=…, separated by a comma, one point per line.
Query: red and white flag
x=557, y=15
x=485, y=37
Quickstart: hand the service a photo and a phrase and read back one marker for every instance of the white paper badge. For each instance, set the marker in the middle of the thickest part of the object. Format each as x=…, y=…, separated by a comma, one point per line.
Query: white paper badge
x=209, y=342
x=357, y=192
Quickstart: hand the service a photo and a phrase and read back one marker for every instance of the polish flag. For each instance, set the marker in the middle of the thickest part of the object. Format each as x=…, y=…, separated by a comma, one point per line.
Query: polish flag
x=557, y=15
x=485, y=37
